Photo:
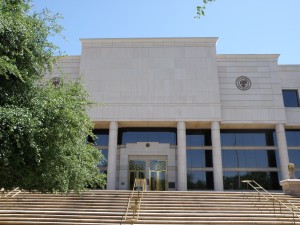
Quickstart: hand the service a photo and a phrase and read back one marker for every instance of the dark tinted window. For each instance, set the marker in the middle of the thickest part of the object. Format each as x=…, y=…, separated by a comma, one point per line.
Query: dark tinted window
x=293, y=137
x=147, y=135
x=290, y=98
x=101, y=138
x=248, y=158
x=199, y=180
x=246, y=138
x=199, y=158
x=294, y=157
x=198, y=138
x=232, y=179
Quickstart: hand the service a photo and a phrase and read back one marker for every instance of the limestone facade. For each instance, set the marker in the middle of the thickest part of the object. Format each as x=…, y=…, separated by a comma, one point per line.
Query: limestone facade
x=180, y=83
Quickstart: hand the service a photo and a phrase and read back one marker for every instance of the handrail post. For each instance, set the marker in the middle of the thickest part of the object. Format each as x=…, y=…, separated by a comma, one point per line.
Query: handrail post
x=293, y=216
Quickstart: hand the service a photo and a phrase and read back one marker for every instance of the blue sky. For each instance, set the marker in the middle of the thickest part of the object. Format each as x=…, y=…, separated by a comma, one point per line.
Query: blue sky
x=243, y=26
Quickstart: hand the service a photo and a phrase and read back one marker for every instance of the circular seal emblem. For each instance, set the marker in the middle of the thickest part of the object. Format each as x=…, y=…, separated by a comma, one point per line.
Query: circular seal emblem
x=243, y=83
x=55, y=81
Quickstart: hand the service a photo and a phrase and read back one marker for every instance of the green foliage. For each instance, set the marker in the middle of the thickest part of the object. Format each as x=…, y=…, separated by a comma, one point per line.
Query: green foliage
x=43, y=128
x=25, y=52
x=44, y=145
x=201, y=9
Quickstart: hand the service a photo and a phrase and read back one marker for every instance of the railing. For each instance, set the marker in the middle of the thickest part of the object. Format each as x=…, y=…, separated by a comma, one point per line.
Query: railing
x=269, y=197
x=134, y=202
x=10, y=195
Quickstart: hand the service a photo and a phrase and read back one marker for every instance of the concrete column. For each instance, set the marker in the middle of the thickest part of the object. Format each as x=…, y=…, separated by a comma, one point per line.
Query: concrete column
x=282, y=150
x=217, y=156
x=181, y=157
x=112, y=156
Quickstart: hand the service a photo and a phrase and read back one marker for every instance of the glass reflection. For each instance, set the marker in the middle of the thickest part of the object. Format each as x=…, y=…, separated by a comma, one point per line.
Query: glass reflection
x=200, y=180
x=151, y=135
x=290, y=98
x=158, y=181
x=294, y=157
x=248, y=158
x=135, y=175
x=247, y=138
x=199, y=158
x=101, y=137
x=232, y=179
x=198, y=138
x=292, y=137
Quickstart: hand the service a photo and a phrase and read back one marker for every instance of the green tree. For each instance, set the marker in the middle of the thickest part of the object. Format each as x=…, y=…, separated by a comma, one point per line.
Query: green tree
x=201, y=8
x=25, y=52
x=43, y=128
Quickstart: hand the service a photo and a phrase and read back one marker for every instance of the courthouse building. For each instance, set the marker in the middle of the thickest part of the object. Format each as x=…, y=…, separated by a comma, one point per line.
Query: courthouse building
x=186, y=118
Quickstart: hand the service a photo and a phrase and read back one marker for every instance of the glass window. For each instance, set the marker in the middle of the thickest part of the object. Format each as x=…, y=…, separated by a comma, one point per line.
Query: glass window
x=248, y=158
x=149, y=135
x=290, y=98
x=199, y=158
x=272, y=158
x=195, y=140
x=294, y=157
x=232, y=179
x=292, y=137
x=246, y=138
x=230, y=159
x=228, y=139
x=101, y=138
x=103, y=163
x=199, y=180
x=198, y=138
x=250, y=139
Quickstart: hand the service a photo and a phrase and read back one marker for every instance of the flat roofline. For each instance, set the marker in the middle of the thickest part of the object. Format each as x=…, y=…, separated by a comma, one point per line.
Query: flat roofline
x=177, y=39
x=148, y=42
x=247, y=57
x=289, y=66
x=295, y=65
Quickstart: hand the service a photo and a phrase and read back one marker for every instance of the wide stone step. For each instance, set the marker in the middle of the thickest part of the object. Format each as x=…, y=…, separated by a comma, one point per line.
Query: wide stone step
x=159, y=220
x=108, y=207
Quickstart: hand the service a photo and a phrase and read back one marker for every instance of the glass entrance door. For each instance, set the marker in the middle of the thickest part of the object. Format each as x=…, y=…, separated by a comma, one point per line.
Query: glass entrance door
x=134, y=175
x=136, y=170
x=155, y=171
x=158, y=181
x=158, y=175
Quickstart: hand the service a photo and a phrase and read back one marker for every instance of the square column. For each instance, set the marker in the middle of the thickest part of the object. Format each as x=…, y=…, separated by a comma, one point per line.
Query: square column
x=282, y=150
x=181, y=157
x=112, y=156
x=217, y=156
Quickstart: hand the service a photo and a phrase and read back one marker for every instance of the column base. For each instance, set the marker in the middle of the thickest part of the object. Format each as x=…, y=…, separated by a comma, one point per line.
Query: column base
x=291, y=186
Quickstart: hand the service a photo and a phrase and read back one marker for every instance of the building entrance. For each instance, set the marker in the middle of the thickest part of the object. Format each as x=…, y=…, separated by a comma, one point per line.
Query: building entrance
x=155, y=171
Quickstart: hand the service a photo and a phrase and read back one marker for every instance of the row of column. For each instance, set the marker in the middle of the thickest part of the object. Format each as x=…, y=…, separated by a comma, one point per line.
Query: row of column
x=181, y=155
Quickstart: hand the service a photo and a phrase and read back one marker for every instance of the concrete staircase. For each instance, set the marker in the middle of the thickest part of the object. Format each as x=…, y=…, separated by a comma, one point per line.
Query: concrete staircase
x=108, y=207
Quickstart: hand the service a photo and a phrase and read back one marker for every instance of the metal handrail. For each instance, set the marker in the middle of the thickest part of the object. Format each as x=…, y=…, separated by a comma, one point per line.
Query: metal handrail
x=268, y=196
x=14, y=192
x=139, y=187
x=10, y=195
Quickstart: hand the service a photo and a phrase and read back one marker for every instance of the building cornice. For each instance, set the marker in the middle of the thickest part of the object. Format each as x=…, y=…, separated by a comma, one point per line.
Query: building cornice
x=291, y=67
x=149, y=42
x=248, y=57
